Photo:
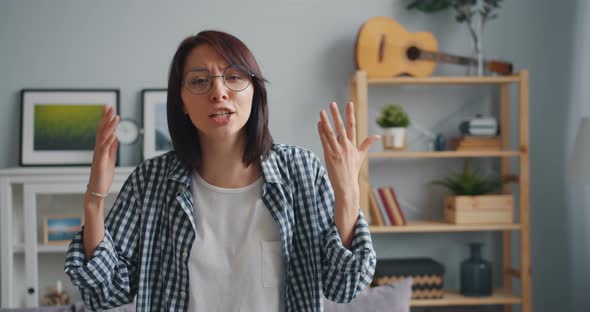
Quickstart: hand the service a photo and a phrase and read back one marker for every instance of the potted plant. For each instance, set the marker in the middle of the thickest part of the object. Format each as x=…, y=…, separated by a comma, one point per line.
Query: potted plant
x=475, y=198
x=394, y=120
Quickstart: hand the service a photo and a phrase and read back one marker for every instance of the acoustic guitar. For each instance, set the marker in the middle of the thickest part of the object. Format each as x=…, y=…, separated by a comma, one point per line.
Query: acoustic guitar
x=386, y=49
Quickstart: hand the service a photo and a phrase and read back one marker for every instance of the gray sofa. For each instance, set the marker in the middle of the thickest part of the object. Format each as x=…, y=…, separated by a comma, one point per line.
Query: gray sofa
x=77, y=307
x=393, y=297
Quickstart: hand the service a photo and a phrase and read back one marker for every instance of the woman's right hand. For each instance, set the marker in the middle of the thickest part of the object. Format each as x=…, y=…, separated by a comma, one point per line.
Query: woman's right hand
x=105, y=153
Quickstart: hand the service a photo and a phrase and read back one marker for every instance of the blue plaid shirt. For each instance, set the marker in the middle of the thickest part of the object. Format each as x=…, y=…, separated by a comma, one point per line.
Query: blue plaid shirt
x=150, y=232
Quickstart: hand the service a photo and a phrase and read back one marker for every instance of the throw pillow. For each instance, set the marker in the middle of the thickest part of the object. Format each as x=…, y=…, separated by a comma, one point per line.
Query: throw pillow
x=394, y=297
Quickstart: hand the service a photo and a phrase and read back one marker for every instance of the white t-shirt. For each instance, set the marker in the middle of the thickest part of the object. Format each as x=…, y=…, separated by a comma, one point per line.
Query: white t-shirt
x=236, y=262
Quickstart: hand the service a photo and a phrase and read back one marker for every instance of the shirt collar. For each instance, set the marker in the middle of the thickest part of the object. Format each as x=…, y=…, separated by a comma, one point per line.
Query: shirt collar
x=270, y=169
x=178, y=172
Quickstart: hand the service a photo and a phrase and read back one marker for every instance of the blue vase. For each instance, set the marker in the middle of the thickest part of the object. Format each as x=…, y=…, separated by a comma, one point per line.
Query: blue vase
x=439, y=142
x=476, y=274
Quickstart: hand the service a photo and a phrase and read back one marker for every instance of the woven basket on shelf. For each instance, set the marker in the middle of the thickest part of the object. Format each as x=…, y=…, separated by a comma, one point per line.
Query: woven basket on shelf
x=427, y=275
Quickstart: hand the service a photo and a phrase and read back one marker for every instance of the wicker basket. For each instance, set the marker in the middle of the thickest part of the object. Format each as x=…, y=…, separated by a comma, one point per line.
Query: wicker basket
x=427, y=275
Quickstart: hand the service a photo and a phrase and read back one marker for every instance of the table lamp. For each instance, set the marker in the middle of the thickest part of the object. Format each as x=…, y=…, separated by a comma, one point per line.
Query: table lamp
x=580, y=162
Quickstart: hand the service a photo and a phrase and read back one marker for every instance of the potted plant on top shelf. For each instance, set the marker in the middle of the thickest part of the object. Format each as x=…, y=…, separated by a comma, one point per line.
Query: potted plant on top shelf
x=475, y=198
x=394, y=121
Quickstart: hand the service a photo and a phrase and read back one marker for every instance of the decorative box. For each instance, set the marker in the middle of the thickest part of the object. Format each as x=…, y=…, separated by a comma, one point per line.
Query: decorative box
x=426, y=273
x=479, y=209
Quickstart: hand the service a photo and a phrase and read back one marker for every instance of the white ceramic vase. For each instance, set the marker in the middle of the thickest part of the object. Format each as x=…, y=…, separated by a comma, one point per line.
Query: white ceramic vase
x=394, y=138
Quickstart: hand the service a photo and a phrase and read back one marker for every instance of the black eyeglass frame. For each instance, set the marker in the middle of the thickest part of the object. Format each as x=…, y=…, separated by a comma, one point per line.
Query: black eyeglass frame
x=240, y=67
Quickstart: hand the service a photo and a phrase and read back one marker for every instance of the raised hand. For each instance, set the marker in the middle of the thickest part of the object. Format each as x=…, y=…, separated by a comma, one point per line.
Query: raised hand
x=105, y=151
x=343, y=158
x=101, y=178
x=343, y=163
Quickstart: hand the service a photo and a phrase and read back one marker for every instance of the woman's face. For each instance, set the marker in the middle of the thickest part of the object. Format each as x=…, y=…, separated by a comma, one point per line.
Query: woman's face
x=220, y=113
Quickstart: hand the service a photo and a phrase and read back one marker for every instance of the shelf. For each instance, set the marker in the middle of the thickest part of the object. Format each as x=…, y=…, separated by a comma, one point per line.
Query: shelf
x=444, y=80
x=441, y=226
x=453, y=298
x=41, y=248
x=57, y=170
x=444, y=154
x=52, y=248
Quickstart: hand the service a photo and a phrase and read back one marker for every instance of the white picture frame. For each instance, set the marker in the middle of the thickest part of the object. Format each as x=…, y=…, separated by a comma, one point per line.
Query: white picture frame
x=58, y=126
x=156, y=137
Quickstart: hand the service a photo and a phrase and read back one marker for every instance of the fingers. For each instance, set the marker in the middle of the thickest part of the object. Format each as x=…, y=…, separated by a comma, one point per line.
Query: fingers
x=364, y=148
x=325, y=145
x=351, y=123
x=103, y=148
x=106, y=125
x=327, y=132
x=107, y=115
x=113, y=143
x=110, y=127
x=338, y=123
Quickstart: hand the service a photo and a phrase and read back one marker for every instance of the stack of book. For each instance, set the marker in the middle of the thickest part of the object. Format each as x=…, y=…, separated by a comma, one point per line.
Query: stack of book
x=470, y=143
x=385, y=208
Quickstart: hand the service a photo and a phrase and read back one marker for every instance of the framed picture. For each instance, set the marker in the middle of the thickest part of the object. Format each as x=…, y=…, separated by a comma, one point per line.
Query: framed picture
x=156, y=137
x=60, y=229
x=58, y=127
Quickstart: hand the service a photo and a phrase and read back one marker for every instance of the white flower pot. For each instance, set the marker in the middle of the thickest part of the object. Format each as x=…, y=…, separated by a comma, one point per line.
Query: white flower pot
x=394, y=138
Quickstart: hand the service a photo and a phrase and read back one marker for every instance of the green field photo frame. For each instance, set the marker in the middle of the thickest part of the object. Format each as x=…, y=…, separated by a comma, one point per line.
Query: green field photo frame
x=58, y=127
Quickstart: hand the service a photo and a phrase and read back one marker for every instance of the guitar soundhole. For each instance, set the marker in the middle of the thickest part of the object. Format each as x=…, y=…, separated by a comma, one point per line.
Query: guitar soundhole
x=413, y=53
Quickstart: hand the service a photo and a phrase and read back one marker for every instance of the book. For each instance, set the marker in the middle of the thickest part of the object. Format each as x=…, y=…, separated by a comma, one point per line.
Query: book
x=393, y=206
x=381, y=207
x=375, y=210
x=386, y=205
x=477, y=143
x=400, y=210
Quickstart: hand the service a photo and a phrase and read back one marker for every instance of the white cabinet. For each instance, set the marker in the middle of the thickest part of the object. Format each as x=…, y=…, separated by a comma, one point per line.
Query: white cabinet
x=27, y=196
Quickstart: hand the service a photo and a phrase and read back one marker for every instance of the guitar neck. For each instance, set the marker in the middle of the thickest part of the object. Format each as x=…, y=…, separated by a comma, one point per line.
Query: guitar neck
x=446, y=58
x=502, y=68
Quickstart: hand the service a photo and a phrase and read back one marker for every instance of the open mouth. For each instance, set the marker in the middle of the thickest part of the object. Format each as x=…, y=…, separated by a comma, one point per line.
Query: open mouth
x=221, y=115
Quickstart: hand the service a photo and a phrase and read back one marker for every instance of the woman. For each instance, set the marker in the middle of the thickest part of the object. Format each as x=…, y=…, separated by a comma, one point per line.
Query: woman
x=228, y=220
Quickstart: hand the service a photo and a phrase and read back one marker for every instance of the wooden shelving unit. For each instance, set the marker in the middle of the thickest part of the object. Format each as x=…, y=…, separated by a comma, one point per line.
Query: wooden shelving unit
x=359, y=88
x=444, y=80
x=444, y=154
x=440, y=226
x=453, y=298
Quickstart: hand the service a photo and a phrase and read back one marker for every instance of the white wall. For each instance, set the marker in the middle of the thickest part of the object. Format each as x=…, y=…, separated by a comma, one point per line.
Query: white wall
x=305, y=48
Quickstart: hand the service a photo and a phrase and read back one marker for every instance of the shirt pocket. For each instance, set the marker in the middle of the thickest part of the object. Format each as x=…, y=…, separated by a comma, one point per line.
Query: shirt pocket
x=273, y=268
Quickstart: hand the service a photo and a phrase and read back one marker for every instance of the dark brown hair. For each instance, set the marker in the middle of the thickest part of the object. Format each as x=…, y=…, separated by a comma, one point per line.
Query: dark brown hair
x=184, y=134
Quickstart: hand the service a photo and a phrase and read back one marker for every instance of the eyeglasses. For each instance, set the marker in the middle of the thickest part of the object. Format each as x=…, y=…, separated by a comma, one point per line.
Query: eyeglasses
x=235, y=77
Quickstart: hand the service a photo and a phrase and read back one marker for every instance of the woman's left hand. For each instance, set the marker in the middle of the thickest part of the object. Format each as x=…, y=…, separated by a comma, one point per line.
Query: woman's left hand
x=343, y=162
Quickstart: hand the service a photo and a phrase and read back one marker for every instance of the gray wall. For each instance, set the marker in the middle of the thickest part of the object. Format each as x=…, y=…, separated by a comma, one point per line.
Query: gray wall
x=578, y=196
x=305, y=48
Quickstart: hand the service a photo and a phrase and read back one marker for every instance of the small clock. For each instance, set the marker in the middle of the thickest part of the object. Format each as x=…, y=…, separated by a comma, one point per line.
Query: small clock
x=127, y=131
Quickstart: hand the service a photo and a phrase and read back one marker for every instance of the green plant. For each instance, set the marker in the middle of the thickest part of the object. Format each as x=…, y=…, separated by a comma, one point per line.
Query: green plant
x=469, y=182
x=465, y=9
x=393, y=116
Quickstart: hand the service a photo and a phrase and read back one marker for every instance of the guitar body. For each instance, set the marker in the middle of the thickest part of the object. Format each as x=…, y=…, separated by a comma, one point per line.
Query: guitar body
x=382, y=47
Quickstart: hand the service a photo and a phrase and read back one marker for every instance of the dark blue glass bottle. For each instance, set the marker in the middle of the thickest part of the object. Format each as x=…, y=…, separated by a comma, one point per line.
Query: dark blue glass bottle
x=476, y=274
x=439, y=142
